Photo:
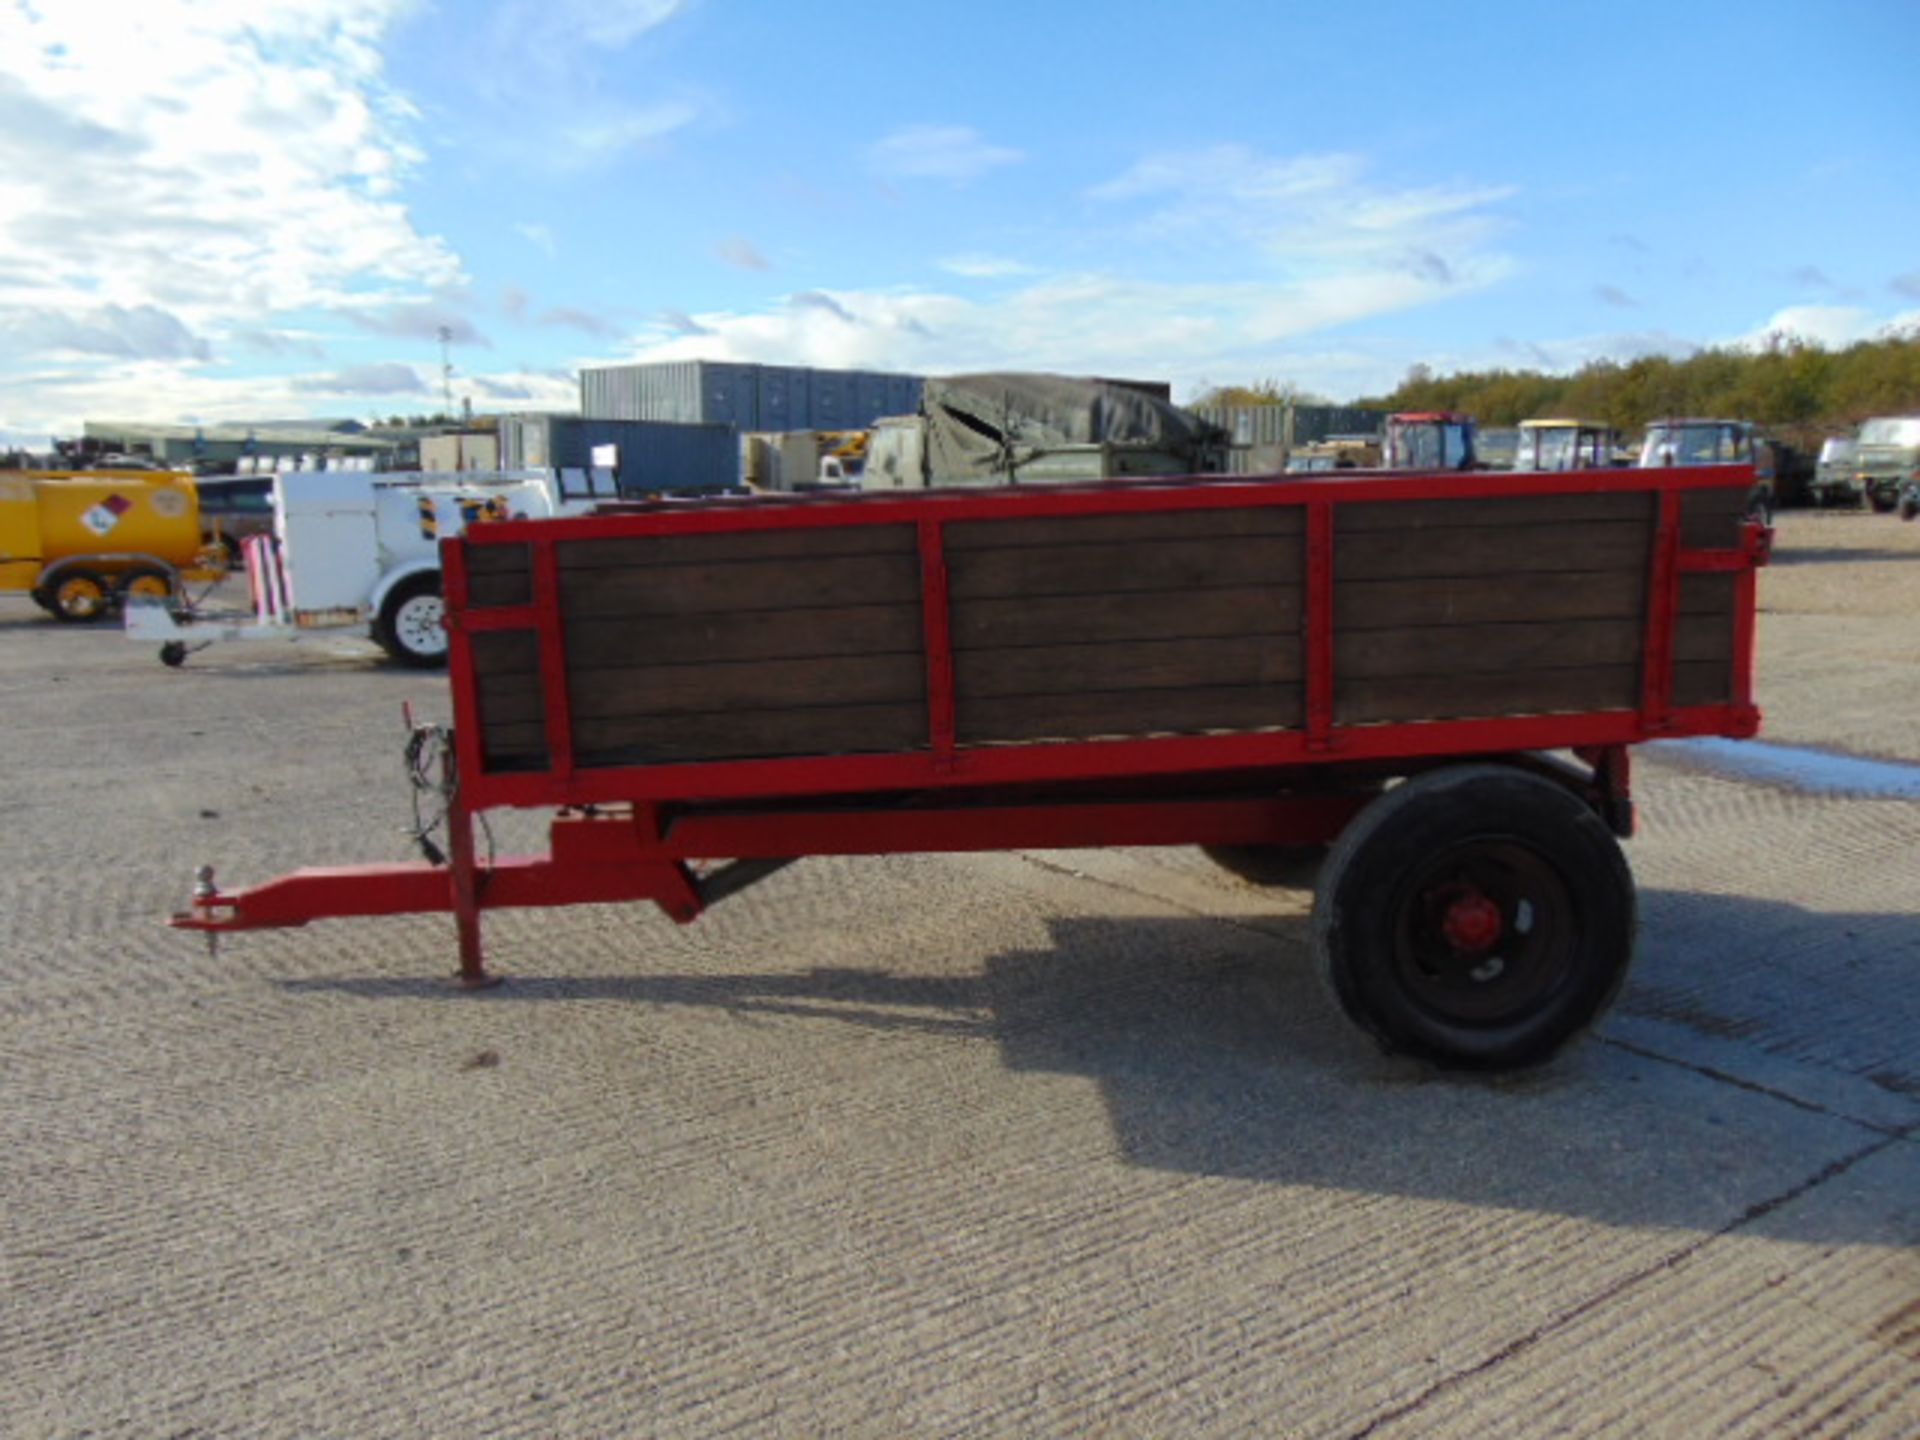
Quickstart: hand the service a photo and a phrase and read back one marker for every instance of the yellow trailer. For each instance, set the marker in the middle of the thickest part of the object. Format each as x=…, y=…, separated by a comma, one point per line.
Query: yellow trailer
x=80, y=542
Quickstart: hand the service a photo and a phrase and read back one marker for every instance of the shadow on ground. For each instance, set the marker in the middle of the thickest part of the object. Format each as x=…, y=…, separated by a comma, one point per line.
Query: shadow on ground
x=1216, y=1054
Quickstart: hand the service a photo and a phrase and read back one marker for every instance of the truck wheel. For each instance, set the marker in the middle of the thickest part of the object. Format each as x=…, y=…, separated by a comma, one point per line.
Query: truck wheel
x=78, y=597
x=1881, y=501
x=145, y=583
x=1477, y=917
x=409, y=627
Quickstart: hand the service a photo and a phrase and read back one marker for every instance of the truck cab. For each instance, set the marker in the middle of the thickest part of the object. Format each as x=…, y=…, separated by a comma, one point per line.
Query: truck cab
x=1713, y=442
x=1886, y=458
x=1429, y=440
x=1564, y=445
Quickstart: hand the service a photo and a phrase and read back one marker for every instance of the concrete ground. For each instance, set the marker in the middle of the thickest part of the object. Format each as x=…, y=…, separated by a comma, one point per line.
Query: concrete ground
x=1017, y=1144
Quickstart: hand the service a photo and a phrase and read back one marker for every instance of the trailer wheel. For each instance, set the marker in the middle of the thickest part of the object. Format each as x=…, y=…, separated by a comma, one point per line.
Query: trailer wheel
x=78, y=597
x=1477, y=917
x=145, y=583
x=409, y=627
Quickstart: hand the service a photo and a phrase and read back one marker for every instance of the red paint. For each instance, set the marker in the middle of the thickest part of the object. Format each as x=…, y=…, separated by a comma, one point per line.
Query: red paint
x=1473, y=923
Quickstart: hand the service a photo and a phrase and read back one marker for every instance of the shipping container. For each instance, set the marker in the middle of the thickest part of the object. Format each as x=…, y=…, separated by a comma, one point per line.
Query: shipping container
x=747, y=397
x=652, y=456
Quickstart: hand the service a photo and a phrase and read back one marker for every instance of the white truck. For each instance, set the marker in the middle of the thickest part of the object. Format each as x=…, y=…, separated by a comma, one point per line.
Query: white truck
x=352, y=549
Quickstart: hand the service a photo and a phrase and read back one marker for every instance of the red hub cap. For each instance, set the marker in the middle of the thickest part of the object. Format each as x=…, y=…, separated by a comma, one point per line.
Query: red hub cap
x=1472, y=923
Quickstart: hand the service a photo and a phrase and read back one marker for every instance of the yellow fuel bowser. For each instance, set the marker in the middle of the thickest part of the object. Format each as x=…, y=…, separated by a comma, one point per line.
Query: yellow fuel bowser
x=80, y=542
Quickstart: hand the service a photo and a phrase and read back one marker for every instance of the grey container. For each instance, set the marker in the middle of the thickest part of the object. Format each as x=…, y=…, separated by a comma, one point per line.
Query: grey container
x=748, y=397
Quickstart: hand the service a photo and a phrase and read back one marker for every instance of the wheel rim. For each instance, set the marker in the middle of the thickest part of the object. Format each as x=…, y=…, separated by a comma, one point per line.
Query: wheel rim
x=416, y=625
x=149, y=587
x=1484, y=933
x=80, y=596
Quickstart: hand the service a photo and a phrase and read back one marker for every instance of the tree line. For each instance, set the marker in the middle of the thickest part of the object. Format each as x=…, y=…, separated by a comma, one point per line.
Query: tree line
x=1788, y=386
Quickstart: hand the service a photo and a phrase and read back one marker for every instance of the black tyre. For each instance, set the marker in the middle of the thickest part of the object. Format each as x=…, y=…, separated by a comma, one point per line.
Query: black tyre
x=143, y=582
x=78, y=597
x=173, y=654
x=1882, y=501
x=1477, y=917
x=409, y=625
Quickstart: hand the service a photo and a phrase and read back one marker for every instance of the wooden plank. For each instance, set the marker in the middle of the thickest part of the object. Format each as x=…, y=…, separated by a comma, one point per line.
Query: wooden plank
x=629, y=552
x=680, y=590
x=499, y=559
x=1153, y=526
x=1178, y=565
x=505, y=652
x=758, y=685
x=1703, y=683
x=1703, y=638
x=1082, y=619
x=1123, y=713
x=747, y=635
x=1487, y=599
x=835, y=730
x=1453, y=697
x=1480, y=512
x=1469, y=652
x=1711, y=519
x=1491, y=550
x=1133, y=665
x=1708, y=594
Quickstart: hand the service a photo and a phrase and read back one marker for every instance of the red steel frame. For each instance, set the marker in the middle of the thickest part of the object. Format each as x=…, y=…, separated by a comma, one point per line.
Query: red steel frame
x=630, y=833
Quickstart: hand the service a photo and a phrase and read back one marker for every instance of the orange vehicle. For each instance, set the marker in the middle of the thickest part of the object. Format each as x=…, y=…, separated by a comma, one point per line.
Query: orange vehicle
x=80, y=542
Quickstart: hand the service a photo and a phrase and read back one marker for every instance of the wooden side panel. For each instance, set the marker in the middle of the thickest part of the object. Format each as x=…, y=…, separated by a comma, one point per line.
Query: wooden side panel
x=507, y=666
x=1452, y=609
x=742, y=644
x=1112, y=625
x=499, y=575
x=1703, y=652
x=1711, y=519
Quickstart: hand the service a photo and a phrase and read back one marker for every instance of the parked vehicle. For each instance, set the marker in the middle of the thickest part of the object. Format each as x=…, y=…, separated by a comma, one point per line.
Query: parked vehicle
x=1564, y=445
x=1886, y=457
x=1336, y=452
x=1244, y=665
x=234, y=507
x=1429, y=440
x=364, y=549
x=1686, y=442
x=1836, y=479
x=81, y=542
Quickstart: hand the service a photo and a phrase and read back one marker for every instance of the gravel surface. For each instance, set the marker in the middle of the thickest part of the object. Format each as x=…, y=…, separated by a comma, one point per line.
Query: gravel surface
x=1019, y=1144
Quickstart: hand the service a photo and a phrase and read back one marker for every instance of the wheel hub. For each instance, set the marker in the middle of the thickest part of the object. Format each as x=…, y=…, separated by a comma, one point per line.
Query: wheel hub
x=1473, y=923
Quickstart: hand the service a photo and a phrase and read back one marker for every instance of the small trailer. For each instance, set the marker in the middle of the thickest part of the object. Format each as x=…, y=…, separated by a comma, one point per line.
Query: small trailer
x=1377, y=670
x=362, y=549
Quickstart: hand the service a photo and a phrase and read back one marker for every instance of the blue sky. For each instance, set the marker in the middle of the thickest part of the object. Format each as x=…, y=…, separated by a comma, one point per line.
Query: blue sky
x=219, y=209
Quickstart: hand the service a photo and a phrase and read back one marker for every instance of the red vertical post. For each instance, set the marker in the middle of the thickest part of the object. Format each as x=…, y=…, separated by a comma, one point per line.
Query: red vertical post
x=937, y=639
x=1746, y=586
x=464, y=875
x=1317, y=624
x=462, y=680
x=1663, y=604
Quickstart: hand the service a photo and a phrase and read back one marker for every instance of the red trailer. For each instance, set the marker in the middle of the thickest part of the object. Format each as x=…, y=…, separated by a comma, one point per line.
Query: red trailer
x=1375, y=669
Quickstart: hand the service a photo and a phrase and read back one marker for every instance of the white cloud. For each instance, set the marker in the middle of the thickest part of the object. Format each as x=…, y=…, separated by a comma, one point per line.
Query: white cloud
x=742, y=254
x=183, y=171
x=938, y=152
x=983, y=267
x=385, y=379
x=1833, y=326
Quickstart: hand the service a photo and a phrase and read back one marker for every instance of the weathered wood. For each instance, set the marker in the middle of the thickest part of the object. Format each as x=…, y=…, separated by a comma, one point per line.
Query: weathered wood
x=678, y=590
x=1177, y=565
x=758, y=685
x=746, y=635
x=1129, y=712
x=1482, y=512
x=1150, y=527
x=1489, y=550
x=1708, y=594
x=1711, y=519
x=1488, y=599
x=1135, y=665
x=1455, y=697
x=1471, y=651
x=1706, y=683
x=736, y=547
x=828, y=730
x=1077, y=619
x=506, y=673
